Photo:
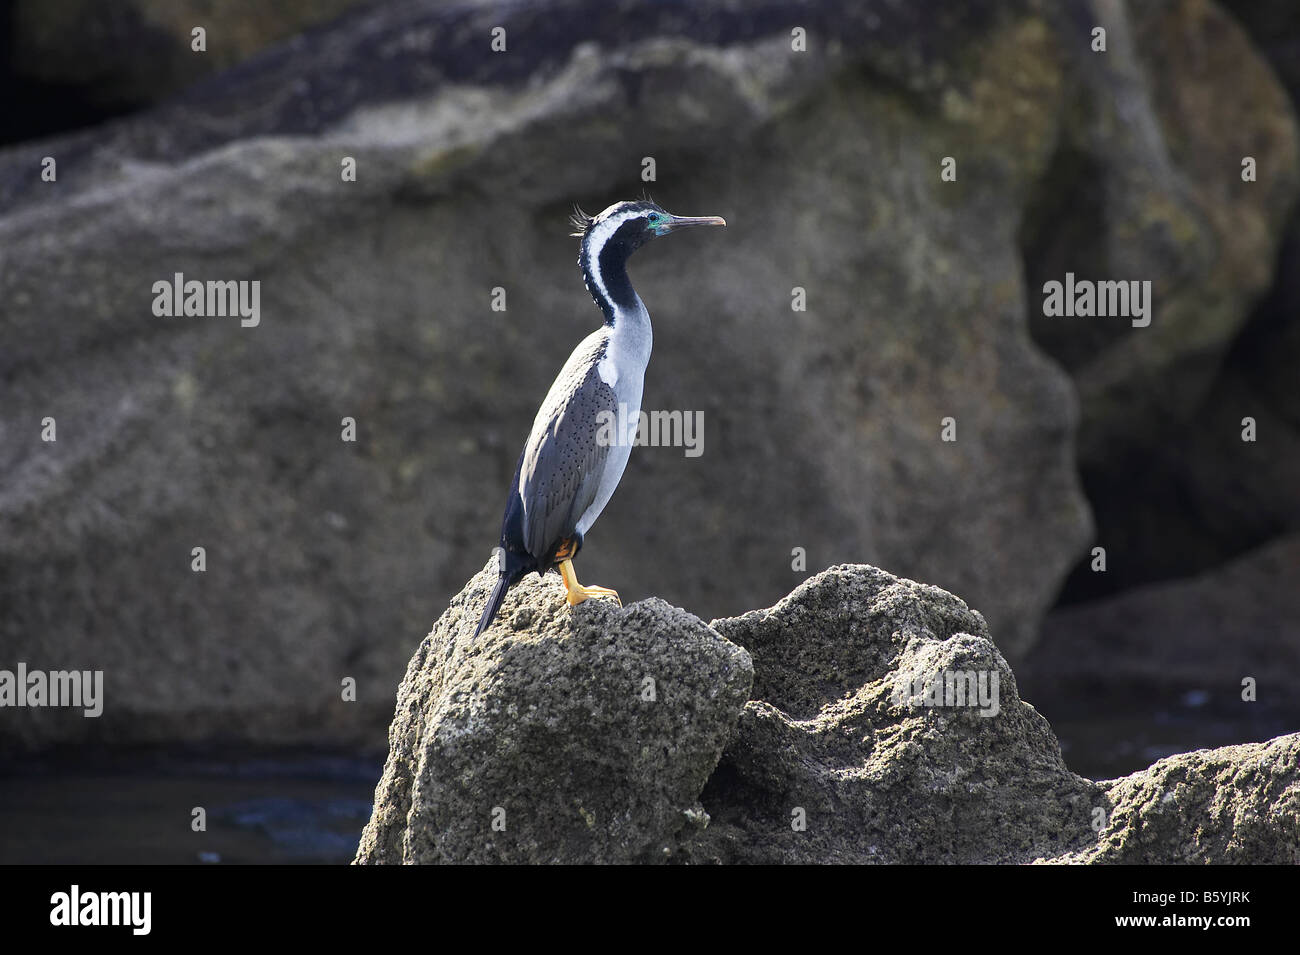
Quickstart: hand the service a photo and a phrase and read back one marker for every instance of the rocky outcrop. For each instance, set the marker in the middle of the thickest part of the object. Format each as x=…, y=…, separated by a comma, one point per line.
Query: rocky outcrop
x=857, y=747
x=558, y=736
x=883, y=725
x=1236, y=805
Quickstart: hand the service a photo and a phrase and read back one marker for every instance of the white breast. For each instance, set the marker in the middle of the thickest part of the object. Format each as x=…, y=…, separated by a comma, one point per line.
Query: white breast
x=623, y=369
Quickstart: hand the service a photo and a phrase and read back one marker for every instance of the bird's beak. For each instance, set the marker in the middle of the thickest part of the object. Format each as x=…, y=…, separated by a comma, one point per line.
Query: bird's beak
x=681, y=222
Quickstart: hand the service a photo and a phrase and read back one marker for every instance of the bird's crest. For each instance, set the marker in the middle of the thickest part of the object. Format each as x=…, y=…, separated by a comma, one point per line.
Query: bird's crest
x=580, y=221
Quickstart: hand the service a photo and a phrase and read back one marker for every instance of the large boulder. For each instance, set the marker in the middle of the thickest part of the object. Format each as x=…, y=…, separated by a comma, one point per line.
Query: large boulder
x=883, y=725
x=1144, y=186
x=822, y=428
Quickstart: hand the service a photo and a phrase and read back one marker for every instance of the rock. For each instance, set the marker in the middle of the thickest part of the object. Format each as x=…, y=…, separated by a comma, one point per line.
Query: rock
x=558, y=736
x=1242, y=493
x=1275, y=28
x=1143, y=651
x=133, y=52
x=1140, y=187
x=822, y=428
x=838, y=756
x=1198, y=496
x=837, y=736
x=1234, y=805
x=1146, y=189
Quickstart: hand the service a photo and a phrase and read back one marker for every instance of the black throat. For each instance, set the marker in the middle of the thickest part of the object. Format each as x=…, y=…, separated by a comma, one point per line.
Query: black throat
x=611, y=263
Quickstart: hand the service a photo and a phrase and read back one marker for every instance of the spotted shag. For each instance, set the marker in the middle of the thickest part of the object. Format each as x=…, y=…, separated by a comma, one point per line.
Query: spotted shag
x=584, y=431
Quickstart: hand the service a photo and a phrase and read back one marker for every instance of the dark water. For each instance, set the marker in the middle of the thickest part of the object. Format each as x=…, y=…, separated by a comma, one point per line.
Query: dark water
x=279, y=807
x=295, y=807
x=1109, y=745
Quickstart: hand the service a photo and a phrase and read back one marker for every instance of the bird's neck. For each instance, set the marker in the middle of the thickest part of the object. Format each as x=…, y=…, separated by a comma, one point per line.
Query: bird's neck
x=626, y=319
x=604, y=271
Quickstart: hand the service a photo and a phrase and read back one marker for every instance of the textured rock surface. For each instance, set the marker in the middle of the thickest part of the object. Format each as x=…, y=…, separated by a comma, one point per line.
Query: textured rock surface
x=878, y=778
x=558, y=736
x=837, y=757
x=1234, y=805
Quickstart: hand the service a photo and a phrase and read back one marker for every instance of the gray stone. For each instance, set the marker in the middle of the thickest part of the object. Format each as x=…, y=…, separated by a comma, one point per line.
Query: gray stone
x=559, y=736
x=838, y=736
x=1175, y=491
x=1235, y=805
x=1145, y=188
x=837, y=756
x=1142, y=187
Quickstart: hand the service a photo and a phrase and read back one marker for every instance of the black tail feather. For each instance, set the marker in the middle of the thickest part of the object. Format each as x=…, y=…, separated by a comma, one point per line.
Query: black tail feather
x=512, y=571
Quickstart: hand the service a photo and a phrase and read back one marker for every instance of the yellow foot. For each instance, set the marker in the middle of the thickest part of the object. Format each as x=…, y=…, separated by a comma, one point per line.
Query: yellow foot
x=578, y=593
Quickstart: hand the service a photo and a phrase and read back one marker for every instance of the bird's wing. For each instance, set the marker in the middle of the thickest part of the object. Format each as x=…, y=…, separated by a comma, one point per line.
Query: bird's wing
x=566, y=452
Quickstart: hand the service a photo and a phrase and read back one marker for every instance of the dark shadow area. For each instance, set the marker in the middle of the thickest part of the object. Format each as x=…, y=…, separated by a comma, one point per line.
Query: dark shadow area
x=260, y=805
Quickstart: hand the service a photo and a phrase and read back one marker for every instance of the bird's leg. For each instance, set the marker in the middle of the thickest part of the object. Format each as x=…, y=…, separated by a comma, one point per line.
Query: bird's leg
x=577, y=592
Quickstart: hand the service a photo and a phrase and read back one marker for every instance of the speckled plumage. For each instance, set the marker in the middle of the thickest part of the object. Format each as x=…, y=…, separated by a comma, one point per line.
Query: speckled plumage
x=564, y=459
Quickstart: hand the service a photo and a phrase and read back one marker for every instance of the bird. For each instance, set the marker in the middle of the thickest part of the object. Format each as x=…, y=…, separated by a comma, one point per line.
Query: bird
x=583, y=433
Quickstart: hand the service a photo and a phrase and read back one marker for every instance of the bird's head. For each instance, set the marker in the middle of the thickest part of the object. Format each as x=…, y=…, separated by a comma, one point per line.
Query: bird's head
x=631, y=224
x=609, y=238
